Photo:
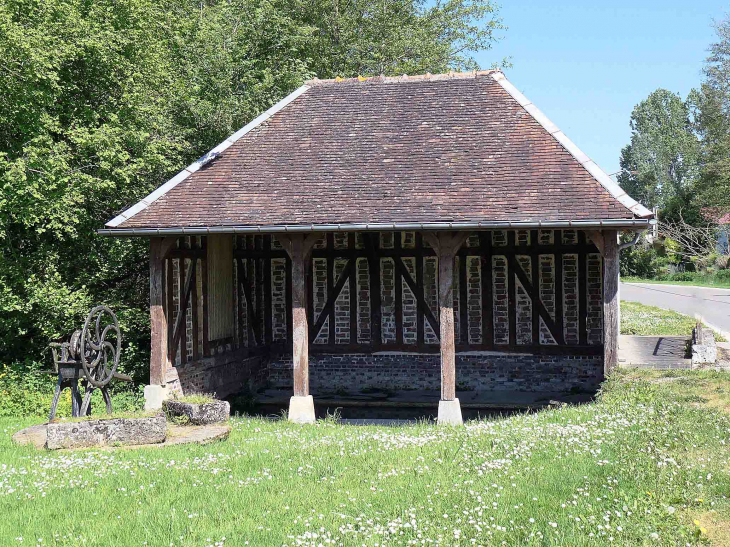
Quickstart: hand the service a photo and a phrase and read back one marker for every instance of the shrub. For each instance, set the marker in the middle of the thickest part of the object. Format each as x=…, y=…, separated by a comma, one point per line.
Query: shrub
x=640, y=261
x=683, y=276
x=26, y=392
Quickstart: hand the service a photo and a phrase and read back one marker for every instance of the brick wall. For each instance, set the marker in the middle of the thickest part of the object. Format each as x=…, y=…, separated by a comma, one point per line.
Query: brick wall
x=222, y=374
x=487, y=371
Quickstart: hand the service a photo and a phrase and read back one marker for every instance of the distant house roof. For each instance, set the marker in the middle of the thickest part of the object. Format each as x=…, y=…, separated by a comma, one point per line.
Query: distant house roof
x=459, y=148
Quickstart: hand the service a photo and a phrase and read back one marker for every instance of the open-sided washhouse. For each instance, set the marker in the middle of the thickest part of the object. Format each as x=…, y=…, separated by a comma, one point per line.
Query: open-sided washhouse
x=422, y=232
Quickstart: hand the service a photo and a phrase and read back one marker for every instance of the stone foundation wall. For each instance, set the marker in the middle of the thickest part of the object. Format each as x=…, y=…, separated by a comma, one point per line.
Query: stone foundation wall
x=487, y=371
x=221, y=374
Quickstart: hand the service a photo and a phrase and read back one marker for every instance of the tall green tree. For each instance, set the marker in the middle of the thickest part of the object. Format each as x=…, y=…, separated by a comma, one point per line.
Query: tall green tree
x=711, y=105
x=660, y=165
x=104, y=100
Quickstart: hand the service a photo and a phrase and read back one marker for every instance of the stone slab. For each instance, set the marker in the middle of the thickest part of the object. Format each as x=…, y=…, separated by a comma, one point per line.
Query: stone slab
x=176, y=435
x=35, y=435
x=658, y=352
x=115, y=431
x=199, y=414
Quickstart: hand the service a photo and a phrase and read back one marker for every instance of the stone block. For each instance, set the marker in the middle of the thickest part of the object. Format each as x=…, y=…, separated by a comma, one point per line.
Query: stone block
x=115, y=431
x=301, y=410
x=450, y=413
x=154, y=395
x=704, y=353
x=199, y=413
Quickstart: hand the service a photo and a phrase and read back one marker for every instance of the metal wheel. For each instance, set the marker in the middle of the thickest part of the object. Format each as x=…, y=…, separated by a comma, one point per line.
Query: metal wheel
x=100, y=346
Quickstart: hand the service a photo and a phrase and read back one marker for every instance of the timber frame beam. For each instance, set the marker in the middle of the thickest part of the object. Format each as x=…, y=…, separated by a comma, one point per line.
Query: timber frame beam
x=299, y=248
x=446, y=245
x=160, y=247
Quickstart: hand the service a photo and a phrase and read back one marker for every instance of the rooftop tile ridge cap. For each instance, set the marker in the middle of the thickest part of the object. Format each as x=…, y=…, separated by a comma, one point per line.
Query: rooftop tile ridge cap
x=428, y=77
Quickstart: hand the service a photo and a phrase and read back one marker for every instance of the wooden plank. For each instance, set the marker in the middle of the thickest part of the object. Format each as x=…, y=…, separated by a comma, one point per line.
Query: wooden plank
x=204, y=285
x=288, y=297
x=194, y=311
x=251, y=306
x=610, y=300
x=299, y=246
x=512, y=268
x=535, y=293
x=398, y=292
x=329, y=306
x=582, y=292
x=420, y=335
x=353, y=292
x=181, y=331
x=446, y=322
x=390, y=253
x=372, y=243
x=485, y=242
x=220, y=286
x=268, y=320
x=169, y=312
x=559, y=285
x=330, y=288
x=159, y=247
x=421, y=303
x=240, y=302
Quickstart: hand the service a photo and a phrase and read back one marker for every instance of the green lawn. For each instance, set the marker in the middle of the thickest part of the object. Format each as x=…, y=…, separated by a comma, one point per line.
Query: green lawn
x=642, y=320
x=699, y=281
x=636, y=468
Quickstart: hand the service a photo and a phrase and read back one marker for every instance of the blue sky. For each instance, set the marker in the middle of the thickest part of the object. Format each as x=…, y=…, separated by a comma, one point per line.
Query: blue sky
x=586, y=65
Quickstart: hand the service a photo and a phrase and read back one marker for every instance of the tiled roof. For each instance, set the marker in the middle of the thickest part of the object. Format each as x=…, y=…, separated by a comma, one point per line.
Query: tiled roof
x=426, y=149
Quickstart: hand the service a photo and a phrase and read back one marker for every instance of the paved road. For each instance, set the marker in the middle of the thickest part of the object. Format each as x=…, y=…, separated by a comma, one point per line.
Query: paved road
x=712, y=304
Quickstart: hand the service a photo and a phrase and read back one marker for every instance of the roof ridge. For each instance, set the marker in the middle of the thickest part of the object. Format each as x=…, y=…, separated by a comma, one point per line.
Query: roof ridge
x=587, y=163
x=428, y=77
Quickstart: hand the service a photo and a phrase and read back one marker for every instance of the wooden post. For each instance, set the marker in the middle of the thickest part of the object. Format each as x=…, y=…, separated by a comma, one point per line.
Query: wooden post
x=299, y=248
x=159, y=247
x=610, y=300
x=446, y=246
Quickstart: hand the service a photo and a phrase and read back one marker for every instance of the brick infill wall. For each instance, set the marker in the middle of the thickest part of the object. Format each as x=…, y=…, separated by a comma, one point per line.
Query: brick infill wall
x=487, y=371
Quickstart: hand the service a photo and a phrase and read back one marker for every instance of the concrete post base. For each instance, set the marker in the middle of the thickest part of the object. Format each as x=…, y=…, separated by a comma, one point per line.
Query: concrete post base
x=301, y=410
x=450, y=413
x=154, y=395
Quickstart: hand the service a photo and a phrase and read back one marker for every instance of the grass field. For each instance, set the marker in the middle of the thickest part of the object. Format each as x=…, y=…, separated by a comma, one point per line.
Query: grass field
x=638, y=467
x=639, y=319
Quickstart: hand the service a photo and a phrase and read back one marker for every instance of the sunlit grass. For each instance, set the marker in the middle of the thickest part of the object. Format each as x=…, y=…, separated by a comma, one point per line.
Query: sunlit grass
x=642, y=320
x=635, y=468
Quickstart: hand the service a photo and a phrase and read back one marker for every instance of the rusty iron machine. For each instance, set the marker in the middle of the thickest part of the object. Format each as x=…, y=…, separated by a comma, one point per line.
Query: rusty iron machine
x=91, y=356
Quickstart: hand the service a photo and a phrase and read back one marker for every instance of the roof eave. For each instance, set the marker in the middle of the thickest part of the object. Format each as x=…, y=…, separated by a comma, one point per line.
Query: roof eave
x=600, y=224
